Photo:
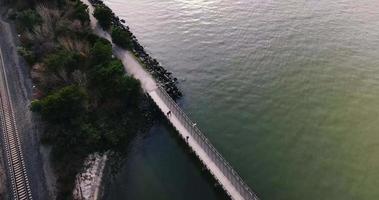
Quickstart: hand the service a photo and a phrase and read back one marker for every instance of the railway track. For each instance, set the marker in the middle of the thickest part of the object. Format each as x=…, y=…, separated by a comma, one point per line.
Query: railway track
x=11, y=142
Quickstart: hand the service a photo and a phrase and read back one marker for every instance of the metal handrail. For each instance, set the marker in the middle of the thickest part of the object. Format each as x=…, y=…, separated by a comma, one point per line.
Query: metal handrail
x=212, y=152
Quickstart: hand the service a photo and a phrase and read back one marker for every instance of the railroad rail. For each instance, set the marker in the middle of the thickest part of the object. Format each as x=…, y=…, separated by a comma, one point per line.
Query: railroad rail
x=11, y=142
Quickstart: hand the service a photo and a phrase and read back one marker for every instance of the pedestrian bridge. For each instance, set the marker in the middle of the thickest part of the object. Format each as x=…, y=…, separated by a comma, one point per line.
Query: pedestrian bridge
x=221, y=170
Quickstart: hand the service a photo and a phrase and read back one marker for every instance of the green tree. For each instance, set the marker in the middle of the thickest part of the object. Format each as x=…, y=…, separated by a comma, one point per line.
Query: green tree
x=65, y=106
x=128, y=91
x=27, y=54
x=81, y=12
x=112, y=83
x=104, y=77
x=101, y=52
x=63, y=60
x=122, y=38
x=29, y=18
x=104, y=16
x=91, y=134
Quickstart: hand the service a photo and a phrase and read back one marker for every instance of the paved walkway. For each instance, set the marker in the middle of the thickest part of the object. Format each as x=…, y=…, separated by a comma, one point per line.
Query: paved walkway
x=202, y=155
x=133, y=67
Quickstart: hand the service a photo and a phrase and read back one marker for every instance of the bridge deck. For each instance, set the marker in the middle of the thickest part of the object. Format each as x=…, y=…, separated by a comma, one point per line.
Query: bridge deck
x=208, y=155
x=202, y=155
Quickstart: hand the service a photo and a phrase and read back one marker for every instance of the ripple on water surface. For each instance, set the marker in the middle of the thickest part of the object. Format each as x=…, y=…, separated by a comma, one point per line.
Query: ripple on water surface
x=286, y=90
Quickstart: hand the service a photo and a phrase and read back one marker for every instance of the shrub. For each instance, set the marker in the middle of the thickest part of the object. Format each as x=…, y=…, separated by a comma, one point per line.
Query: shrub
x=81, y=12
x=101, y=52
x=121, y=38
x=129, y=91
x=91, y=134
x=63, y=60
x=27, y=54
x=93, y=38
x=104, y=77
x=64, y=106
x=104, y=16
x=110, y=79
x=27, y=19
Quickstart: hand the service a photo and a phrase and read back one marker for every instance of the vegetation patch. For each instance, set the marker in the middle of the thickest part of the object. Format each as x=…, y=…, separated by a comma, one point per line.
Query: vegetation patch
x=124, y=38
x=121, y=38
x=104, y=16
x=29, y=18
x=82, y=93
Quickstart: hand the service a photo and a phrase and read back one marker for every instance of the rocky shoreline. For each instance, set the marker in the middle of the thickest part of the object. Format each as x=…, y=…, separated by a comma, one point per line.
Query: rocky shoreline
x=89, y=183
x=160, y=74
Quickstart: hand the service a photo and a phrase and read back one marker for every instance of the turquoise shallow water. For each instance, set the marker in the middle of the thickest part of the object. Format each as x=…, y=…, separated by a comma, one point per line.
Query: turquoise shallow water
x=287, y=90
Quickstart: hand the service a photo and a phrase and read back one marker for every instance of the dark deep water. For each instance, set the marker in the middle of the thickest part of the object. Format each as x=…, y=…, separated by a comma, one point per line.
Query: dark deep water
x=287, y=91
x=157, y=165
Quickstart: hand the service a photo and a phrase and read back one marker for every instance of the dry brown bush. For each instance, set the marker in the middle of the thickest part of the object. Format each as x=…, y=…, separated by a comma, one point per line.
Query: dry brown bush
x=71, y=44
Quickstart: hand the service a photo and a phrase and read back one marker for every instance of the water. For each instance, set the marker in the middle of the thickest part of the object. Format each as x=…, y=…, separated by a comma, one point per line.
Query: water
x=156, y=166
x=286, y=90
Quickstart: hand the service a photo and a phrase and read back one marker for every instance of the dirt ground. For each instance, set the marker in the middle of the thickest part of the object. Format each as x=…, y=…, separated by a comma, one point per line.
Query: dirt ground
x=2, y=180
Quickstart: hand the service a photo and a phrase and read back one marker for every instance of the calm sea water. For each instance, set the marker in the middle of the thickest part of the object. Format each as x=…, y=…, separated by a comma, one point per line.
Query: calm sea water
x=288, y=91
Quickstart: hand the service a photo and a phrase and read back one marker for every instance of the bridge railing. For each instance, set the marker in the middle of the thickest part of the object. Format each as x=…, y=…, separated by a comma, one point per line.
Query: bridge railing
x=206, y=145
